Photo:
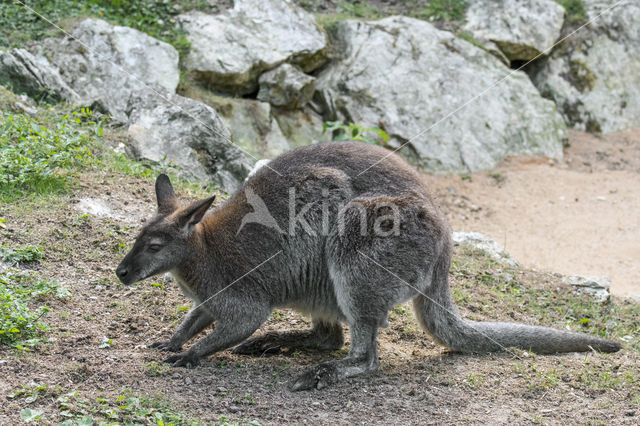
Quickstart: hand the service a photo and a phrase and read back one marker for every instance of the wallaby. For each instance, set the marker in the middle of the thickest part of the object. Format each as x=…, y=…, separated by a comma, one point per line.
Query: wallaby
x=340, y=231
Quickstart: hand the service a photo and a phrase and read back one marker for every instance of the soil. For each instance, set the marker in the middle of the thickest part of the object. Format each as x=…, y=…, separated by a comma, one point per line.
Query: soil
x=418, y=382
x=578, y=215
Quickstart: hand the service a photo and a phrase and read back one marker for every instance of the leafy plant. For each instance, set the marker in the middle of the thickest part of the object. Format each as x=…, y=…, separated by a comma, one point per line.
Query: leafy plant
x=354, y=132
x=19, y=255
x=20, y=324
x=575, y=12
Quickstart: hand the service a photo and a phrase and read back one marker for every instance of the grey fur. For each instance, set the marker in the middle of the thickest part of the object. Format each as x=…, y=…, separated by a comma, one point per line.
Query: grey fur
x=337, y=271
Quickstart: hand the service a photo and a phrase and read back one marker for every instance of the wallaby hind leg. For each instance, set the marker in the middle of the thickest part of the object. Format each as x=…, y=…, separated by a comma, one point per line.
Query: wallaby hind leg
x=362, y=358
x=323, y=336
x=194, y=322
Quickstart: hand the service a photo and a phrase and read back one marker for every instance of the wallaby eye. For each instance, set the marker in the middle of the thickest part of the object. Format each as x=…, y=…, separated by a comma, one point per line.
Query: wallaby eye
x=153, y=248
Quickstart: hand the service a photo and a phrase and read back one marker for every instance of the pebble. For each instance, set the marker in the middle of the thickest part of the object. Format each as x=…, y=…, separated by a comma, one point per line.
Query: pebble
x=233, y=409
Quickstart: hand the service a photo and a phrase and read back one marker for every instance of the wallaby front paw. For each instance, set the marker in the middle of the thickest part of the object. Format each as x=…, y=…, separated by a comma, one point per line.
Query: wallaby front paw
x=166, y=346
x=183, y=359
x=316, y=378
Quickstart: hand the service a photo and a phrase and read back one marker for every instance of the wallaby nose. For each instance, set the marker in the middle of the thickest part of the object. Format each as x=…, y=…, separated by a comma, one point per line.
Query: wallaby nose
x=121, y=272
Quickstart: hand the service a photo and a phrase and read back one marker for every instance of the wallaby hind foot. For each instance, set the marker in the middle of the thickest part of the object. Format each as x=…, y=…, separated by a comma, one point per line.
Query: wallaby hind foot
x=362, y=358
x=323, y=336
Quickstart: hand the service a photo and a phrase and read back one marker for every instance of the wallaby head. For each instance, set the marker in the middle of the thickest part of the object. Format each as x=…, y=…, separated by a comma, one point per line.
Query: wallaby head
x=164, y=242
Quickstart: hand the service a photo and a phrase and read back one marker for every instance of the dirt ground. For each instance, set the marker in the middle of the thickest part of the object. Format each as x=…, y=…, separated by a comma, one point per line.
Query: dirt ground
x=419, y=382
x=579, y=215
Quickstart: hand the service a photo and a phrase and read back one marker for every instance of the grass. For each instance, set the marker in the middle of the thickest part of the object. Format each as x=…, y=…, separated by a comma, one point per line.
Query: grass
x=38, y=158
x=442, y=10
x=575, y=12
x=154, y=17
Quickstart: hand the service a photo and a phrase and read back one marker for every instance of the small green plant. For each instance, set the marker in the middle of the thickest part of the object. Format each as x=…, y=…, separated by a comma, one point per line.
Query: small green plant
x=354, y=132
x=26, y=254
x=20, y=324
x=575, y=12
x=154, y=369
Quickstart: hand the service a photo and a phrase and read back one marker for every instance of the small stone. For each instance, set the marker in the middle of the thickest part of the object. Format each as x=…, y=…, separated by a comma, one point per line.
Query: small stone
x=233, y=409
x=286, y=86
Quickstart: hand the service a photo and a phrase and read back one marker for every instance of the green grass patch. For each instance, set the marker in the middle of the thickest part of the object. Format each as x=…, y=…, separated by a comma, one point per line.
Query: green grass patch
x=38, y=158
x=21, y=307
x=575, y=12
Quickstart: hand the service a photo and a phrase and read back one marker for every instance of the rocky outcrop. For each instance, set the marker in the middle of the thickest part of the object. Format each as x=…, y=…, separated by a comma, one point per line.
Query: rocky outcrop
x=33, y=75
x=106, y=65
x=446, y=101
x=286, y=87
x=521, y=29
x=594, y=77
x=190, y=135
x=230, y=50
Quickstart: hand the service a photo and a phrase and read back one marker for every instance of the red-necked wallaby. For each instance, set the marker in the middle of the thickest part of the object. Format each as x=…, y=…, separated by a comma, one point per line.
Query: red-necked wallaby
x=313, y=232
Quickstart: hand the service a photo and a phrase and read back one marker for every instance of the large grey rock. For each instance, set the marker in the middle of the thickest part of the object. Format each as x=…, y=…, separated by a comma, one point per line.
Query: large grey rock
x=33, y=75
x=190, y=135
x=106, y=65
x=286, y=86
x=522, y=29
x=448, y=100
x=230, y=50
x=594, y=77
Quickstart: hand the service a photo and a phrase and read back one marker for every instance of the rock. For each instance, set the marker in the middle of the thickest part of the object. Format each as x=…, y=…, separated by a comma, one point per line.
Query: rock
x=251, y=123
x=482, y=242
x=301, y=127
x=426, y=88
x=598, y=287
x=230, y=50
x=33, y=75
x=106, y=65
x=286, y=86
x=190, y=135
x=594, y=77
x=521, y=29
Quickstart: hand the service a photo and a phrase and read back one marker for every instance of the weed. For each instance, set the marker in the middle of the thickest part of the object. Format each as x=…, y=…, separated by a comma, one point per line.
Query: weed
x=26, y=254
x=354, y=132
x=19, y=324
x=154, y=369
x=574, y=11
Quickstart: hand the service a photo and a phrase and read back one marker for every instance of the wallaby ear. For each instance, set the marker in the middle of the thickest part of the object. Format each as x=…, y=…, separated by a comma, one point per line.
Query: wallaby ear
x=195, y=212
x=167, y=201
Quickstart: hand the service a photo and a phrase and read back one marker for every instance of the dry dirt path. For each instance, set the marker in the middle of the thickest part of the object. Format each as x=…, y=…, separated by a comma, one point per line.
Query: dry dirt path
x=579, y=215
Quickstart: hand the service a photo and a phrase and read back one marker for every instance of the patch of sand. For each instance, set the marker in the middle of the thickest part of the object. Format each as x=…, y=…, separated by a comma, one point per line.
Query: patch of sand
x=579, y=215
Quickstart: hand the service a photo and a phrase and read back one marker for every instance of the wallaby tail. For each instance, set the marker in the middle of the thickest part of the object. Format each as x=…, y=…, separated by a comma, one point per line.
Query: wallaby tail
x=438, y=316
